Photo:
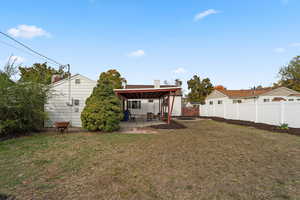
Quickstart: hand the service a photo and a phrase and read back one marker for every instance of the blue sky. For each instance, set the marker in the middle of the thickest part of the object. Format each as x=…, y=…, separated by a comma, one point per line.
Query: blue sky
x=235, y=43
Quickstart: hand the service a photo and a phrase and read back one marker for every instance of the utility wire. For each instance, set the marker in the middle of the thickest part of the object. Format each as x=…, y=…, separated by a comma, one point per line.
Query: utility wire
x=24, y=51
x=30, y=49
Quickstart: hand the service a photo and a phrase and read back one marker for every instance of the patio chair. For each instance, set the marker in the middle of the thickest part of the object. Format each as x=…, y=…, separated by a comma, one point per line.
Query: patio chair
x=131, y=117
x=150, y=116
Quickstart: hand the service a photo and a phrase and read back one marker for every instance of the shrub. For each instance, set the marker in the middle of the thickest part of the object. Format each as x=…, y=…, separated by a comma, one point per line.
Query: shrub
x=284, y=127
x=103, y=108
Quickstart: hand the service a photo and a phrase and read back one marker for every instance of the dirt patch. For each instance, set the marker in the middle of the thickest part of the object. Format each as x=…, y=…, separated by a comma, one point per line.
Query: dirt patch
x=138, y=131
x=186, y=118
x=292, y=131
x=173, y=125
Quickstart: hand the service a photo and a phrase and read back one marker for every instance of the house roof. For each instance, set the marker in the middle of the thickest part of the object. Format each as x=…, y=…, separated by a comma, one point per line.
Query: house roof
x=71, y=78
x=295, y=95
x=147, y=86
x=244, y=93
x=146, y=93
x=178, y=91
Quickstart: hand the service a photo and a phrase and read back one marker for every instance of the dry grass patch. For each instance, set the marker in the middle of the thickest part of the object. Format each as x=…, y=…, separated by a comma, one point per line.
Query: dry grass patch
x=207, y=160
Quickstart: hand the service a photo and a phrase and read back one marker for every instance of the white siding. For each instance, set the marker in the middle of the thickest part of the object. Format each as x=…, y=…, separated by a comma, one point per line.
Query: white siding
x=57, y=108
x=154, y=107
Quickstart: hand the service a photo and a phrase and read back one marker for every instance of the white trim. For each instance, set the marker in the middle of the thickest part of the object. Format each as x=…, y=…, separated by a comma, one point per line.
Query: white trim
x=67, y=79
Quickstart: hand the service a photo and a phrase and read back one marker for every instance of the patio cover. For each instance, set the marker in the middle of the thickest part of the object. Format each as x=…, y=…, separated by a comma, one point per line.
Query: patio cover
x=150, y=93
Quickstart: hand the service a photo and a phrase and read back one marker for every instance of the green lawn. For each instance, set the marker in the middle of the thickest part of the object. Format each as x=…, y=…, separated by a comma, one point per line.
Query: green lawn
x=208, y=160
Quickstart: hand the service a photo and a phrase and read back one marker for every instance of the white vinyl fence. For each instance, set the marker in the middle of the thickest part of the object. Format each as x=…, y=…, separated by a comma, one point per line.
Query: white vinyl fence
x=274, y=113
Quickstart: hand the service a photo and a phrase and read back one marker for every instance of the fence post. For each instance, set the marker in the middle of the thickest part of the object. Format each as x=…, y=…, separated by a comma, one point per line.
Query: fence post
x=256, y=111
x=281, y=112
x=238, y=111
x=224, y=109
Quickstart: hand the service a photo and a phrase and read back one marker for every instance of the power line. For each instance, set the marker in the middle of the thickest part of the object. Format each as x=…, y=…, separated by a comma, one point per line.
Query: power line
x=17, y=48
x=30, y=49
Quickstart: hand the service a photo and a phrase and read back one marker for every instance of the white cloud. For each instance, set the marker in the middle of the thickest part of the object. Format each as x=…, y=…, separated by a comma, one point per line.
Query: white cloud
x=179, y=70
x=279, y=50
x=204, y=14
x=27, y=31
x=137, y=53
x=16, y=59
x=296, y=44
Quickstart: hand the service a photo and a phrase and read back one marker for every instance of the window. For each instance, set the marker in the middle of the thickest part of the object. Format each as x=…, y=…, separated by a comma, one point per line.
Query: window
x=76, y=110
x=291, y=99
x=134, y=104
x=220, y=101
x=76, y=102
x=237, y=101
x=77, y=81
x=298, y=99
x=150, y=101
x=266, y=100
x=211, y=103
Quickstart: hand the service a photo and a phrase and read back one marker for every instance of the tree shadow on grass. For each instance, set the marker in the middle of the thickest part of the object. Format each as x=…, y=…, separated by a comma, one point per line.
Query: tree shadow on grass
x=6, y=197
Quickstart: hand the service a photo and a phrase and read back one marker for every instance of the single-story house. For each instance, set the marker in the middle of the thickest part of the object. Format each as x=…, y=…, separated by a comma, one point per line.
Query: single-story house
x=68, y=98
x=220, y=96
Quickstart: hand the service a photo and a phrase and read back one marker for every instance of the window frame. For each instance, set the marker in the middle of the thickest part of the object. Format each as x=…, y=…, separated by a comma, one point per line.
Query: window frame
x=76, y=102
x=235, y=101
x=77, y=81
x=135, y=104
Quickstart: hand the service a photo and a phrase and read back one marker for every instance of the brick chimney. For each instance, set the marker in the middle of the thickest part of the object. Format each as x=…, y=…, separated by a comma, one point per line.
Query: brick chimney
x=55, y=78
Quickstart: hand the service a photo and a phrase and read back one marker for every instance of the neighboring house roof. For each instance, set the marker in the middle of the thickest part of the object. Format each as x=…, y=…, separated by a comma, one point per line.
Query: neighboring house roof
x=295, y=95
x=244, y=93
x=238, y=94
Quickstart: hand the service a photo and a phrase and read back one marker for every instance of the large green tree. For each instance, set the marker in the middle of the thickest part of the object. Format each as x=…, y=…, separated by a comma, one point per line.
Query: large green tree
x=21, y=104
x=114, y=77
x=39, y=73
x=199, y=89
x=290, y=75
x=103, y=108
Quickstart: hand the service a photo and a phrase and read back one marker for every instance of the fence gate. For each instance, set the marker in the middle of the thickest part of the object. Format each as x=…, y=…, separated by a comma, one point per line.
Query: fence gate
x=190, y=111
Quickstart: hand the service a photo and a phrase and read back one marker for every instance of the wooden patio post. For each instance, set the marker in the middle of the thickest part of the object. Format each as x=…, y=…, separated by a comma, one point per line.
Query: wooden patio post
x=169, y=116
x=159, y=105
x=162, y=108
x=172, y=104
x=123, y=104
